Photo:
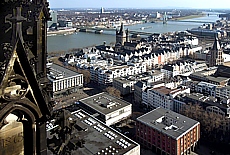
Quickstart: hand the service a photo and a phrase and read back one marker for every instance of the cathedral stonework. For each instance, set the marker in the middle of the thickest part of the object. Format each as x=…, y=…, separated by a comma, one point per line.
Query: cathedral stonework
x=24, y=94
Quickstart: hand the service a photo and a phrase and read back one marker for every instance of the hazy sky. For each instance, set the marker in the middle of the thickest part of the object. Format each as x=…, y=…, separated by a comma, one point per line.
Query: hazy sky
x=140, y=3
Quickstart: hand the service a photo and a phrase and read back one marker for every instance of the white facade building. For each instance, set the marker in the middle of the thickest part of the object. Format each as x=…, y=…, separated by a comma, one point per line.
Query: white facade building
x=109, y=109
x=64, y=80
x=126, y=84
x=105, y=75
x=223, y=92
x=182, y=68
x=161, y=97
x=206, y=88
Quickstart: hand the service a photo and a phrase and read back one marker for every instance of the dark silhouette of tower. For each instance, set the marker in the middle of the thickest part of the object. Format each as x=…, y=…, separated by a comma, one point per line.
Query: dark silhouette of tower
x=24, y=88
x=102, y=10
x=127, y=35
x=216, y=54
x=122, y=35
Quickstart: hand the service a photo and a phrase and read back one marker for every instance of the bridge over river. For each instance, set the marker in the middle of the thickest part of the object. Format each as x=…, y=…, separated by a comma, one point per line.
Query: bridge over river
x=98, y=29
x=191, y=21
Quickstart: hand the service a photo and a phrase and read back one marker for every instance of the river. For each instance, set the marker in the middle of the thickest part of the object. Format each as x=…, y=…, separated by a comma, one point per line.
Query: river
x=82, y=39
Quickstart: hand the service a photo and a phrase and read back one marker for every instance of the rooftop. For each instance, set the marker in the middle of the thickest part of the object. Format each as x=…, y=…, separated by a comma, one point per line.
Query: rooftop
x=168, y=122
x=104, y=103
x=166, y=91
x=98, y=138
x=59, y=72
x=142, y=76
x=209, y=100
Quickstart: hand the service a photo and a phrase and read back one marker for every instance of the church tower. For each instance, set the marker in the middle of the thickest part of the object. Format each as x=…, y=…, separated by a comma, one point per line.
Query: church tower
x=25, y=103
x=121, y=35
x=216, y=54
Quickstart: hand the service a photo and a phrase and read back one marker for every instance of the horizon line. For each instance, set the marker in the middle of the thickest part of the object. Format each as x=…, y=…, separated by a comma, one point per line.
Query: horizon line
x=137, y=8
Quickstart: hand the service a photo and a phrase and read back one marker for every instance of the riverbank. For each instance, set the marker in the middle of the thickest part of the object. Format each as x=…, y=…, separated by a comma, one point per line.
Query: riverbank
x=69, y=51
x=74, y=41
x=190, y=17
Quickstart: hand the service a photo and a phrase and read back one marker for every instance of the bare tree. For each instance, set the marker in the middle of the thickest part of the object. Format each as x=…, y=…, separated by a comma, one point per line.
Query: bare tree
x=209, y=121
x=113, y=91
x=86, y=75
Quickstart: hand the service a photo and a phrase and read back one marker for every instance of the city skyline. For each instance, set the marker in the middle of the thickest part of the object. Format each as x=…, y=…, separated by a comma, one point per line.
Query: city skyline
x=195, y=4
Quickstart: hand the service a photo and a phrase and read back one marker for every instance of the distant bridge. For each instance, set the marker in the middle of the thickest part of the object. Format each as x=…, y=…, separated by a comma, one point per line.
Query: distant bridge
x=86, y=29
x=91, y=29
x=143, y=33
x=191, y=21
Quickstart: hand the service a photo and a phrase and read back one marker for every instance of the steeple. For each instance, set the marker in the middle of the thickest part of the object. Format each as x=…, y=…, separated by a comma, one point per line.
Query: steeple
x=122, y=28
x=216, y=45
x=121, y=35
x=216, y=54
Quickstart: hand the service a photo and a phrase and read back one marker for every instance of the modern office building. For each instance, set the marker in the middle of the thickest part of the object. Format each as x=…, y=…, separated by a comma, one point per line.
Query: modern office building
x=64, y=81
x=107, y=108
x=166, y=132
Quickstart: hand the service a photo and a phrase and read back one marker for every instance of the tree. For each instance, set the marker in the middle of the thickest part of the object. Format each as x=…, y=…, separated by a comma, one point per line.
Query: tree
x=86, y=75
x=209, y=121
x=114, y=92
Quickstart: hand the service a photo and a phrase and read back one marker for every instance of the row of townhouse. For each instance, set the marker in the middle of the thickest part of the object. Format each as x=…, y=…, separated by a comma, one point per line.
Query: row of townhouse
x=126, y=84
x=125, y=55
x=83, y=64
x=165, y=53
x=177, y=37
x=206, y=88
x=141, y=86
x=162, y=97
x=175, y=99
x=182, y=68
x=105, y=75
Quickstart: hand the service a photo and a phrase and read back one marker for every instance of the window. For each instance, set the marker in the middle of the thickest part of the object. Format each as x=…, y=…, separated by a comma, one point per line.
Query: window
x=121, y=111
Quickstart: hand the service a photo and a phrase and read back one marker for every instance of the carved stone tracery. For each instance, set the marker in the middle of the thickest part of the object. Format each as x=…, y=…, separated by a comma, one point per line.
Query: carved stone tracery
x=16, y=89
x=22, y=58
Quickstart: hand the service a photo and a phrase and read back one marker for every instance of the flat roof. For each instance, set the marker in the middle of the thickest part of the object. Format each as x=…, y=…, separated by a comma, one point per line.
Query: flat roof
x=157, y=119
x=217, y=79
x=137, y=77
x=113, y=68
x=59, y=71
x=126, y=79
x=104, y=103
x=209, y=100
x=166, y=91
x=97, y=137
